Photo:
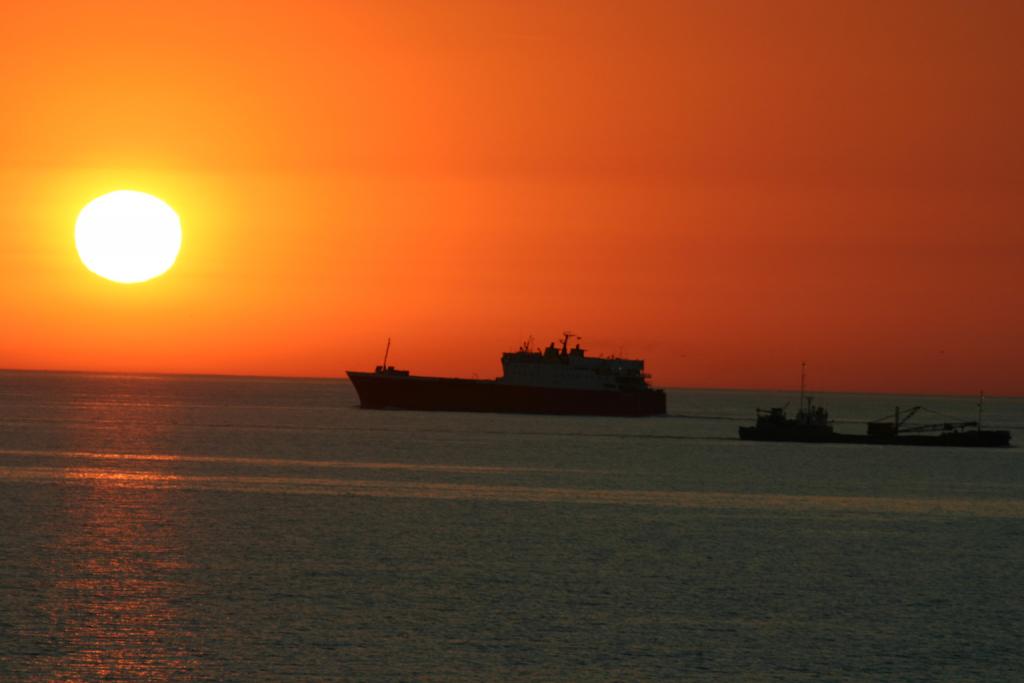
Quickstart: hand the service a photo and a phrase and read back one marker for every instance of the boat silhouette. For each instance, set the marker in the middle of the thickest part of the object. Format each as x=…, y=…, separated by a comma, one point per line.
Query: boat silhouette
x=812, y=424
x=554, y=380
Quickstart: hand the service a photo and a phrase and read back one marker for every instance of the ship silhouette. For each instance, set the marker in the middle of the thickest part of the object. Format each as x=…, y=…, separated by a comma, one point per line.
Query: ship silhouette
x=813, y=425
x=556, y=380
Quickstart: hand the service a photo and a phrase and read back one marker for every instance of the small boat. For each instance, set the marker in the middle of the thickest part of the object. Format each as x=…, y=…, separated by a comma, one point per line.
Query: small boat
x=813, y=425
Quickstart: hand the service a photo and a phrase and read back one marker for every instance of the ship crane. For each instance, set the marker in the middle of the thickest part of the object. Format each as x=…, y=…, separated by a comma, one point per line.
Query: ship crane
x=899, y=422
x=896, y=426
x=940, y=426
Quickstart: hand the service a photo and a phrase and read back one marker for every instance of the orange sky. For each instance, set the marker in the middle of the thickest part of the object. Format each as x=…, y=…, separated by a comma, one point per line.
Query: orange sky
x=722, y=188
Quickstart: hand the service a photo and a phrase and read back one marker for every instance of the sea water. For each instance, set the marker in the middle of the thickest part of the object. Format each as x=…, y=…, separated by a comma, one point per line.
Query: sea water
x=210, y=528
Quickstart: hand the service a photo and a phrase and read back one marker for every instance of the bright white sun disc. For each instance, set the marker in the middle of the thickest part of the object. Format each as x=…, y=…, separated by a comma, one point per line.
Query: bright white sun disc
x=128, y=236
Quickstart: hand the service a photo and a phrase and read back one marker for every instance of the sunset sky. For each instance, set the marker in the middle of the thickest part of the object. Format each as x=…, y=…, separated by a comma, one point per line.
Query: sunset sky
x=724, y=189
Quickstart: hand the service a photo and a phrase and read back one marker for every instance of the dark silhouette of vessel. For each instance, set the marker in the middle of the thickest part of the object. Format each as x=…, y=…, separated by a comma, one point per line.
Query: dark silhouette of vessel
x=812, y=425
x=556, y=381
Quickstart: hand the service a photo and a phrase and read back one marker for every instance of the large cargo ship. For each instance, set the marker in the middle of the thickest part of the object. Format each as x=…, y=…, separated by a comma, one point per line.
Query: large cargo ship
x=557, y=381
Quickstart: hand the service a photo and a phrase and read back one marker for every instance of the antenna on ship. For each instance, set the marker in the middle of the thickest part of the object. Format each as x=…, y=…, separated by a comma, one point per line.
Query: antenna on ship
x=566, y=336
x=387, y=350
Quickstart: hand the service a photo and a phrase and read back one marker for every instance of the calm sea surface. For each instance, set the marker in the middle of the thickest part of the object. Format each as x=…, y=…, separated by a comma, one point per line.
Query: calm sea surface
x=200, y=528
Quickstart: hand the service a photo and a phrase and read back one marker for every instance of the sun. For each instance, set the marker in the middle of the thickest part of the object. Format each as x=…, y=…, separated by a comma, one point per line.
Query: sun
x=128, y=236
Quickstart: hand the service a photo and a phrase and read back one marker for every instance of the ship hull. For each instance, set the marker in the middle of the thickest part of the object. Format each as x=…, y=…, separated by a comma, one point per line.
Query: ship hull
x=968, y=439
x=409, y=392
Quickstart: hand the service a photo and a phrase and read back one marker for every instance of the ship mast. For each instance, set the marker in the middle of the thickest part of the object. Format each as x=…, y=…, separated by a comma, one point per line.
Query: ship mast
x=803, y=372
x=981, y=407
x=387, y=350
x=566, y=336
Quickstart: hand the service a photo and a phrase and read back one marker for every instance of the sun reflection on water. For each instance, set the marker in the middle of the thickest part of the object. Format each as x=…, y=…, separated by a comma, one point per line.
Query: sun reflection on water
x=121, y=577
x=116, y=477
x=116, y=604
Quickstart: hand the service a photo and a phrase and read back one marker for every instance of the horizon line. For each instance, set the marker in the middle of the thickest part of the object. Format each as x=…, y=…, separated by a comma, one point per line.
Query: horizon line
x=342, y=378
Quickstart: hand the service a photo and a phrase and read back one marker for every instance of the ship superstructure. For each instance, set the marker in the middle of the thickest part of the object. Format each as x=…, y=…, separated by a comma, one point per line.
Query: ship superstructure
x=571, y=368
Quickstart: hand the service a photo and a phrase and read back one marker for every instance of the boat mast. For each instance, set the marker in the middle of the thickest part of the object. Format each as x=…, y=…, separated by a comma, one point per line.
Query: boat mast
x=981, y=407
x=566, y=336
x=387, y=350
x=803, y=370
